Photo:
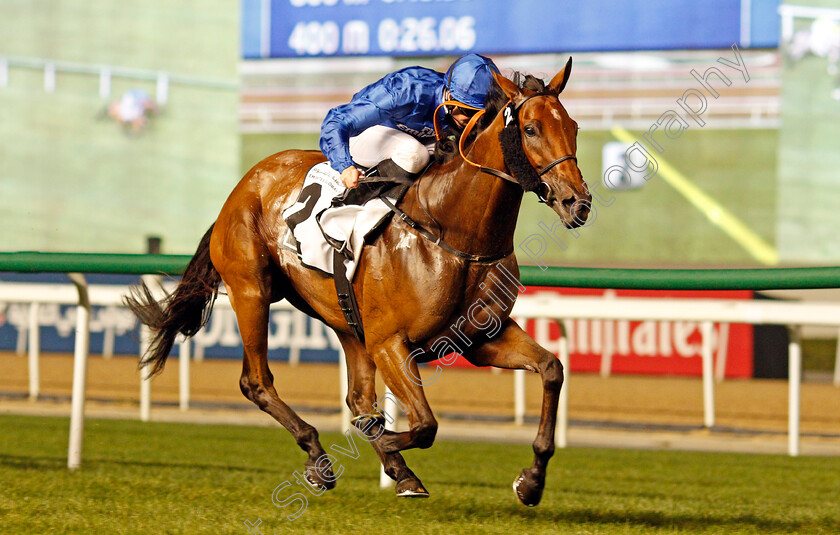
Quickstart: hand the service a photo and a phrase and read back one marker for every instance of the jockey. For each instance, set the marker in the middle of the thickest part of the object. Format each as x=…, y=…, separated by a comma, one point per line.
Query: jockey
x=133, y=109
x=393, y=119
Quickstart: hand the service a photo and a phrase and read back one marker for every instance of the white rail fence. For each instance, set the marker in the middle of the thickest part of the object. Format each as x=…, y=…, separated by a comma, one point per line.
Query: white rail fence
x=106, y=73
x=553, y=307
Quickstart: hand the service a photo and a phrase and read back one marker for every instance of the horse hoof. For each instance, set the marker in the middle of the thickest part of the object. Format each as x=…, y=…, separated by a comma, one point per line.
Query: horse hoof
x=411, y=488
x=528, y=488
x=317, y=482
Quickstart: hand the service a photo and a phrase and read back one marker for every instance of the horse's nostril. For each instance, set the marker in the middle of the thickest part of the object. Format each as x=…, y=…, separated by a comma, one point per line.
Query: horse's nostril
x=569, y=202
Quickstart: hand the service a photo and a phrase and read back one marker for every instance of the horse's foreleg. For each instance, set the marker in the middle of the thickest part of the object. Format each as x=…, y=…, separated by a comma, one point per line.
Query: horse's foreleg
x=361, y=398
x=515, y=349
x=257, y=382
x=391, y=358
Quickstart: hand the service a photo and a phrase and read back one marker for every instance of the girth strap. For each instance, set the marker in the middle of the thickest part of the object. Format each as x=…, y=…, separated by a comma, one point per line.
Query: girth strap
x=347, y=297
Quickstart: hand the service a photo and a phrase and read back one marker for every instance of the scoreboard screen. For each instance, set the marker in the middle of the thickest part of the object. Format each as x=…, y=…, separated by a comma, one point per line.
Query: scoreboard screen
x=309, y=28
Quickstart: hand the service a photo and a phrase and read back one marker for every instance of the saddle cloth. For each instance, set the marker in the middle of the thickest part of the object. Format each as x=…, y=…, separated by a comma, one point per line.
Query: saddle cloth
x=312, y=213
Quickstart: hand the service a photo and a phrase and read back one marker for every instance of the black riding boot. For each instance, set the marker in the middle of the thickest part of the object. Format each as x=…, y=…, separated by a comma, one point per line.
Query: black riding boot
x=388, y=168
x=366, y=191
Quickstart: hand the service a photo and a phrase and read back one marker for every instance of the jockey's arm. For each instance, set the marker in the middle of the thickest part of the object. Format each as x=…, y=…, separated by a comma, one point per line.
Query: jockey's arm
x=351, y=119
x=342, y=123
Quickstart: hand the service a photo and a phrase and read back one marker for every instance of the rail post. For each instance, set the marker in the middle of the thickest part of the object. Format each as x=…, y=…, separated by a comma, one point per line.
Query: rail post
x=145, y=378
x=708, y=378
x=146, y=371
x=298, y=337
x=80, y=355
x=34, y=350
x=390, y=409
x=794, y=383
x=184, y=374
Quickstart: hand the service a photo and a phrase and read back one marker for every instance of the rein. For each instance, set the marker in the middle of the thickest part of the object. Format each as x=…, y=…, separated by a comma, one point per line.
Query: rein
x=513, y=152
x=515, y=158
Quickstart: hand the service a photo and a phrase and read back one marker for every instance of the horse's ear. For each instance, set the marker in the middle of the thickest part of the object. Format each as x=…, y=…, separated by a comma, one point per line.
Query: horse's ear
x=508, y=87
x=558, y=83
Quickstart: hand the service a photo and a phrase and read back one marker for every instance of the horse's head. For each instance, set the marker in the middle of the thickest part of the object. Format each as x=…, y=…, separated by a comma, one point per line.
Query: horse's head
x=539, y=141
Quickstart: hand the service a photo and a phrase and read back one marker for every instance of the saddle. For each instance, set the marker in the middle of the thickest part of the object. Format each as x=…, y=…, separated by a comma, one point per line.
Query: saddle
x=386, y=182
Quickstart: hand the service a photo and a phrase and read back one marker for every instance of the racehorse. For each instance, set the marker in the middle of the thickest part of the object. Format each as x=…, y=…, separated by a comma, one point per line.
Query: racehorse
x=414, y=285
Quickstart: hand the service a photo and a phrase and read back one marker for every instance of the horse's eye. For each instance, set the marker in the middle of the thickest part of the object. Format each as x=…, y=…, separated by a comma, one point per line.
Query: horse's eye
x=530, y=131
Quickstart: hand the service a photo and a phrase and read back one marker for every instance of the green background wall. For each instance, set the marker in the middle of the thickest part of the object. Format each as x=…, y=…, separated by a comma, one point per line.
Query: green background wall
x=809, y=159
x=72, y=182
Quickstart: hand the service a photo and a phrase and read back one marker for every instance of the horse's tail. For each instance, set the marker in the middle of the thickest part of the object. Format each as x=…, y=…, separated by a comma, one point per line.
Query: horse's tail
x=184, y=311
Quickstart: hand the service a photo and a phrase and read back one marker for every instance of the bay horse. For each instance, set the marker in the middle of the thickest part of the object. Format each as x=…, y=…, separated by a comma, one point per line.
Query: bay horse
x=411, y=290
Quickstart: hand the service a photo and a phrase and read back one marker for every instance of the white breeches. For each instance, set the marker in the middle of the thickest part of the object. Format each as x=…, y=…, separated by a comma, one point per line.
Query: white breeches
x=379, y=143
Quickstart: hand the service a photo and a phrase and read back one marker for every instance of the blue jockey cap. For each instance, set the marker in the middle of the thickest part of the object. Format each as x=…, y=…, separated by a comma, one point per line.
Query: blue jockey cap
x=469, y=79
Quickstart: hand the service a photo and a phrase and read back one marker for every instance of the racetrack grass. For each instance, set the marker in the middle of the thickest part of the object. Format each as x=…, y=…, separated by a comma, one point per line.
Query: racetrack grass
x=177, y=478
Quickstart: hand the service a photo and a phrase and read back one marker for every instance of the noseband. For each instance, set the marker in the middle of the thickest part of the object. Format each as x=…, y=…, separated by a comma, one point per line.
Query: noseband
x=524, y=174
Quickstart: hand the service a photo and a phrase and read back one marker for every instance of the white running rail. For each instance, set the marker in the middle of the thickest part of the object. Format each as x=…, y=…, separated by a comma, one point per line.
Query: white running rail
x=555, y=307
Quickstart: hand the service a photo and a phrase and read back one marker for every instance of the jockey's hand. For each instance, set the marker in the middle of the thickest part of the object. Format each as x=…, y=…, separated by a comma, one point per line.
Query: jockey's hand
x=350, y=177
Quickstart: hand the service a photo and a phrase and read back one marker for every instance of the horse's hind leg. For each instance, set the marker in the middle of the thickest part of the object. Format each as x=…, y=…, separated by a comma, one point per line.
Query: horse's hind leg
x=361, y=398
x=514, y=349
x=250, y=300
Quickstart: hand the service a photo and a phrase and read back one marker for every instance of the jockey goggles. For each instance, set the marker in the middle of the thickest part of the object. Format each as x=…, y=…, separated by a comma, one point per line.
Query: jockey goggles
x=454, y=105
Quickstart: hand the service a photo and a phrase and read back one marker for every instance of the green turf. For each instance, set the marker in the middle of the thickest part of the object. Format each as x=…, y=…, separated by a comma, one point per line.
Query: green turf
x=174, y=478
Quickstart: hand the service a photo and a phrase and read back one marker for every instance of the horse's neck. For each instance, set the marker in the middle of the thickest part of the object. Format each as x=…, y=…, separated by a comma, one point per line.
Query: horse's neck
x=477, y=212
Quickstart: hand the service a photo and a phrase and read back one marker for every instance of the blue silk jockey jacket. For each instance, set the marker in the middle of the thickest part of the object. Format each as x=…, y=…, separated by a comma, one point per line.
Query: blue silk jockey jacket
x=405, y=100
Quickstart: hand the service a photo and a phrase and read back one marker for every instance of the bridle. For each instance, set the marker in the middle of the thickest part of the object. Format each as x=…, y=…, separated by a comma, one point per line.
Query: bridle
x=512, y=150
x=529, y=179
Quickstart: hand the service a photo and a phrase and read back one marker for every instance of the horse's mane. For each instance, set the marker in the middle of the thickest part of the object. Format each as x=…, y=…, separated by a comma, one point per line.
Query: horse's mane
x=447, y=147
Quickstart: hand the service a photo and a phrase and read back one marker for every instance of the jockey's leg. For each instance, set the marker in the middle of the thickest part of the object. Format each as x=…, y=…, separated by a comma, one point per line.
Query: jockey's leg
x=380, y=143
x=390, y=168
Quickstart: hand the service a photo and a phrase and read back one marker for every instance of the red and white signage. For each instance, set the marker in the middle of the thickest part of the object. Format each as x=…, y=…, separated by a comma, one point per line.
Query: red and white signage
x=643, y=347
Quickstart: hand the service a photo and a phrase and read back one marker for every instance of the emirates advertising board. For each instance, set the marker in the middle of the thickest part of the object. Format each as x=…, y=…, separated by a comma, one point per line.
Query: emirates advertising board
x=636, y=347
x=640, y=347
